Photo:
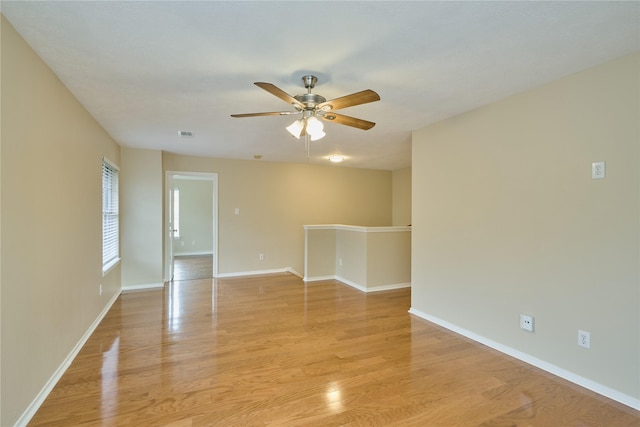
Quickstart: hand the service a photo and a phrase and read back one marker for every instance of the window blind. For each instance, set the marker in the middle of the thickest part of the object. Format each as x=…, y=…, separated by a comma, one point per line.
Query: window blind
x=110, y=212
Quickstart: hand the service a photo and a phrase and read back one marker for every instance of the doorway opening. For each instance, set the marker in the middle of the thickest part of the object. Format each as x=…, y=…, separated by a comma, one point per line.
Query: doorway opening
x=192, y=225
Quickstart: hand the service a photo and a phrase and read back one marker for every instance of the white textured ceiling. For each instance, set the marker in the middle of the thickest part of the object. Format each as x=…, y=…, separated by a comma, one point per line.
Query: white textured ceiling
x=148, y=69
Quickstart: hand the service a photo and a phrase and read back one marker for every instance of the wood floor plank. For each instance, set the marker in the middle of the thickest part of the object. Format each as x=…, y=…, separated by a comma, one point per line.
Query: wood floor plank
x=190, y=267
x=272, y=351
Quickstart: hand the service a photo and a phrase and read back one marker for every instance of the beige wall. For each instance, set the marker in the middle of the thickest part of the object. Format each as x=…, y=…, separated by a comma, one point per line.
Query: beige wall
x=277, y=199
x=320, y=247
x=388, y=258
x=368, y=258
x=141, y=217
x=507, y=220
x=351, y=256
x=1, y=23
x=196, y=217
x=51, y=224
x=401, y=189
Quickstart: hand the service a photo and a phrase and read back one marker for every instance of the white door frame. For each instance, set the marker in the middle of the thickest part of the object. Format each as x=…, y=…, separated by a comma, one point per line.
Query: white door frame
x=168, y=229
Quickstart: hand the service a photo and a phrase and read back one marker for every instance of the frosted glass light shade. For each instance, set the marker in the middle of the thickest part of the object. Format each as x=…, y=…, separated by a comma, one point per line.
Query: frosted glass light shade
x=317, y=135
x=296, y=128
x=315, y=128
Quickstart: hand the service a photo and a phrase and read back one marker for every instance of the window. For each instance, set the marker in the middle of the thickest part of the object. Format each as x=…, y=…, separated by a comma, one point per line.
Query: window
x=176, y=213
x=110, y=220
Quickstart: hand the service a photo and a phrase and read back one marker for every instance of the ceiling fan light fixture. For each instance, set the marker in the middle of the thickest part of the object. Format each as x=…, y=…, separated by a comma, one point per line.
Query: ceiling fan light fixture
x=317, y=135
x=296, y=128
x=313, y=124
x=312, y=105
x=315, y=128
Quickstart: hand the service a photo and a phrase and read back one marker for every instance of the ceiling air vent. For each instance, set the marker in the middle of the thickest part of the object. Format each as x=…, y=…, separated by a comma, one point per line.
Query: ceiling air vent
x=185, y=133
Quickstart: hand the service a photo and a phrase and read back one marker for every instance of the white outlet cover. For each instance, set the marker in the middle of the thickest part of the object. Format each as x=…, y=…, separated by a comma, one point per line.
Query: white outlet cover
x=584, y=339
x=526, y=322
x=597, y=170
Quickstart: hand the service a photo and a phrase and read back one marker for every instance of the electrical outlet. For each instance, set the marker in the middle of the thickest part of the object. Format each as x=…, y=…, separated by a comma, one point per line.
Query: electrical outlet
x=526, y=322
x=597, y=170
x=261, y=257
x=100, y=290
x=340, y=261
x=584, y=339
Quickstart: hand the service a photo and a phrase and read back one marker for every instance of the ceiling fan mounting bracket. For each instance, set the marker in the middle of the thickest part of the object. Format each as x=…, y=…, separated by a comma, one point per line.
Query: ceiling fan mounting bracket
x=309, y=82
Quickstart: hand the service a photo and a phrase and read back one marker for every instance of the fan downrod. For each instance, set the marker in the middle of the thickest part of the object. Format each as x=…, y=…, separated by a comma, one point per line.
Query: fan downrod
x=310, y=100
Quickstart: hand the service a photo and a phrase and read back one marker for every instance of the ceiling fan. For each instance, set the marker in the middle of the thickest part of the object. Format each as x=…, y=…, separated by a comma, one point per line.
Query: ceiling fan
x=312, y=107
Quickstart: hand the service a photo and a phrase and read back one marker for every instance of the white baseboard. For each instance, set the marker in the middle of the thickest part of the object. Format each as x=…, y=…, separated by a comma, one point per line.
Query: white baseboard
x=256, y=272
x=318, y=278
x=389, y=287
x=352, y=284
x=538, y=363
x=192, y=253
x=144, y=287
x=44, y=392
x=357, y=285
x=292, y=271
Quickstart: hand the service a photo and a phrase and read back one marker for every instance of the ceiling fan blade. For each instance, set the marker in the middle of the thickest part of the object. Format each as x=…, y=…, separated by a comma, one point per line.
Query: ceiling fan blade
x=272, y=113
x=357, y=98
x=349, y=121
x=274, y=90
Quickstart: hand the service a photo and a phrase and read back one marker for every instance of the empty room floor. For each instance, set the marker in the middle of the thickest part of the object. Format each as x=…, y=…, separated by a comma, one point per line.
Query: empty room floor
x=189, y=267
x=272, y=351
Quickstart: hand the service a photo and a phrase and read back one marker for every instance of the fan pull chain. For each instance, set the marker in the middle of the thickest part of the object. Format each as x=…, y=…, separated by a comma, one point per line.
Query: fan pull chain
x=306, y=145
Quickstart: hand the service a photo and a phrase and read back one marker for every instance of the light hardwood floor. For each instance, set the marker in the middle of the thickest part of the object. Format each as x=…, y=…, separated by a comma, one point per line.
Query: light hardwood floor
x=189, y=267
x=270, y=351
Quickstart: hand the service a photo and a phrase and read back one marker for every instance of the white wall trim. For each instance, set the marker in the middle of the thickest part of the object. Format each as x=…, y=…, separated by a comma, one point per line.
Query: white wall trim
x=358, y=286
x=192, y=253
x=389, y=287
x=144, y=287
x=53, y=380
x=318, y=278
x=339, y=279
x=106, y=269
x=292, y=271
x=538, y=363
x=348, y=282
x=169, y=249
x=256, y=272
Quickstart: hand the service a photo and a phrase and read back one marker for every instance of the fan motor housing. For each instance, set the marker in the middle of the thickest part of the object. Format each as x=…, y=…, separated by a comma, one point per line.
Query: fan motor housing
x=310, y=100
